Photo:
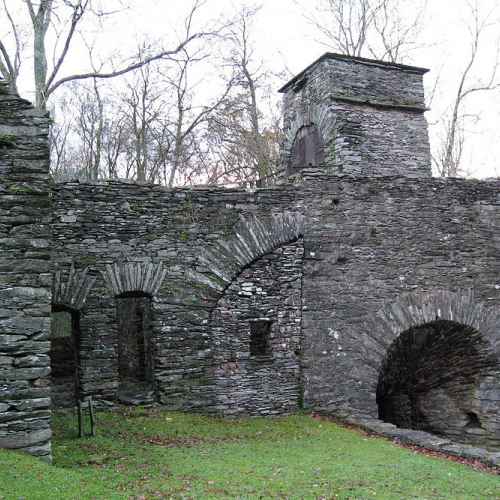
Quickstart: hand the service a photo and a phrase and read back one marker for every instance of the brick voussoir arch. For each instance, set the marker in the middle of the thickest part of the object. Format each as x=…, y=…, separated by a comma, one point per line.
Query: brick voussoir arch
x=129, y=277
x=416, y=309
x=219, y=266
x=71, y=293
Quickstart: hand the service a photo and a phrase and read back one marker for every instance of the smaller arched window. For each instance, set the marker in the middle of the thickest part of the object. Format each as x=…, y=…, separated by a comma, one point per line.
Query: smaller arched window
x=307, y=149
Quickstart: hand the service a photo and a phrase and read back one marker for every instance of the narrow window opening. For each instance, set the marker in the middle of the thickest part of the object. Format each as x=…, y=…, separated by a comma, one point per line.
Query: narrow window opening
x=64, y=356
x=260, y=336
x=134, y=344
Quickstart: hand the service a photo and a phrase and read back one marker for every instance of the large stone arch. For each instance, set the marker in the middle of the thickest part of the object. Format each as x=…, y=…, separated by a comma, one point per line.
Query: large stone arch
x=418, y=308
x=438, y=365
x=219, y=265
x=255, y=334
x=185, y=361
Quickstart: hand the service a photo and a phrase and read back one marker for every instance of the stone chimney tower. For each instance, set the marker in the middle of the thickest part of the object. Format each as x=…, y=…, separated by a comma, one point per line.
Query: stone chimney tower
x=352, y=116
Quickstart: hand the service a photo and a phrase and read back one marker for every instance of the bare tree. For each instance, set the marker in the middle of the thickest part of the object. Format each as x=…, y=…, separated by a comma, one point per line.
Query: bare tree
x=141, y=108
x=62, y=166
x=243, y=57
x=90, y=125
x=148, y=132
x=231, y=156
x=69, y=13
x=88, y=137
x=448, y=156
x=243, y=140
x=187, y=117
x=381, y=29
x=11, y=64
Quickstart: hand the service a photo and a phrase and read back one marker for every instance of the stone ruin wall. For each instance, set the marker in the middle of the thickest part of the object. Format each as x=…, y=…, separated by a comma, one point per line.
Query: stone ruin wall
x=370, y=116
x=201, y=358
x=369, y=245
x=349, y=273
x=25, y=277
x=383, y=256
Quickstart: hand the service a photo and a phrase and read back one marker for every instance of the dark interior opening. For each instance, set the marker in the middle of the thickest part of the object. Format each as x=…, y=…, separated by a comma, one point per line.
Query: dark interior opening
x=134, y=342
x=430, y=380
x=64, y=356
x=307, y=149
x=260, y=341
x=474, y=421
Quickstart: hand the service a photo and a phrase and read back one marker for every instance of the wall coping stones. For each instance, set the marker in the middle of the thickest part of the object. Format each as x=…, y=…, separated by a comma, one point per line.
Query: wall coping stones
x=425, y=440
x=254, y=237
x=359, y=60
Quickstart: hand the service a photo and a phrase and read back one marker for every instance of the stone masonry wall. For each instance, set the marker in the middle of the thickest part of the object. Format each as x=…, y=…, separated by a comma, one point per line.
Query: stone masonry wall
x=372, y=242
x=343, y=275
x=270, y=290
x=99, y=225
x=367, y=243
x=25, y=277
x=369, y=115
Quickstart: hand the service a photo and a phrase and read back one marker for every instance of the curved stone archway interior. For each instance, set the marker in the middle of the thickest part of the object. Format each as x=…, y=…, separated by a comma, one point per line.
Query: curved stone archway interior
x=442, y=377
x=256, y=335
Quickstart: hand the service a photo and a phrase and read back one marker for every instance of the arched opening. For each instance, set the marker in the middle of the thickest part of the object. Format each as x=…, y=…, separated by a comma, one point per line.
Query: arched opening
x=256, y=336
x=135, y=366
x=438, y=377
x=307, y=149
x=64, y=356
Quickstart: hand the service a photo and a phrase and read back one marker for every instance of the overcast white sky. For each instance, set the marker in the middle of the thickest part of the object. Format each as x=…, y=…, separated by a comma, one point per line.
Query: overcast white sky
x=284, y=38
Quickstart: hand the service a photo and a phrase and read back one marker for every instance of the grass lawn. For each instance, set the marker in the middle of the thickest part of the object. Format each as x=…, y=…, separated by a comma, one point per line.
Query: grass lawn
x=143, y=454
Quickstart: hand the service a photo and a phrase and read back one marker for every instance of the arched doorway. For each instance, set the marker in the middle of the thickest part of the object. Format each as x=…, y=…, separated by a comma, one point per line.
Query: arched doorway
x=135, y=358
x=307, y=149
x=442, y=377
x=64, y=356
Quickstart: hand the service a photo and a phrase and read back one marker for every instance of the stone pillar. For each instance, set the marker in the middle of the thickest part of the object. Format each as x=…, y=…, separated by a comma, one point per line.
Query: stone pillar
x=25, y=277
x=352, y=116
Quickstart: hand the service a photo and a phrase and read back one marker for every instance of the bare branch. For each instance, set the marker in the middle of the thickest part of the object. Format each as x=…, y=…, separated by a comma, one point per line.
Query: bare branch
x=129, y=68
x=78, y=12
x=448, y=162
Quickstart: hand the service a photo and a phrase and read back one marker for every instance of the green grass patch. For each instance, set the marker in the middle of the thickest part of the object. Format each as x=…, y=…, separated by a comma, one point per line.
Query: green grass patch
x=140, y=453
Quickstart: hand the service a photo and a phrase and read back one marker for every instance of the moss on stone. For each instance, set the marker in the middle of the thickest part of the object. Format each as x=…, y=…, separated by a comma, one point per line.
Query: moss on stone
x=21, y=189
x=184, y=235
x=217, y=279
x=137, y=208
x=189, y=212
x=7, y=141
x=88, y=260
